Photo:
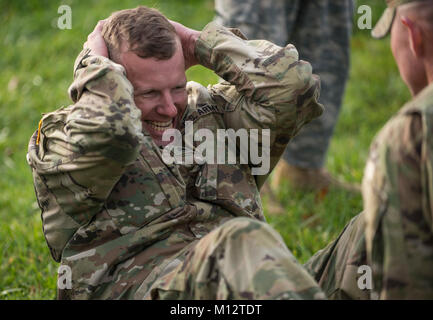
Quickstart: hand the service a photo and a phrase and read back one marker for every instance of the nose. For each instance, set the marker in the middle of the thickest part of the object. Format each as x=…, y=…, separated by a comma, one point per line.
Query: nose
x=167, y=107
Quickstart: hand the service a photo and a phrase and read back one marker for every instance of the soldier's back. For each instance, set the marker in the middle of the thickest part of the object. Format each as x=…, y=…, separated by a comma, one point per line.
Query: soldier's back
x=397, y=192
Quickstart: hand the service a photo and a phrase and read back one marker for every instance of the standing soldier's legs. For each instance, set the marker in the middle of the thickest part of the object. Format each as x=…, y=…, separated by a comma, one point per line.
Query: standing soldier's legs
x=257, y=19
x=320, y=30
x=241, y=259
x=322, y=36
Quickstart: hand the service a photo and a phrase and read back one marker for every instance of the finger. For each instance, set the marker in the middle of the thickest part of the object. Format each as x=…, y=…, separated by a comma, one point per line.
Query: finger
x=100, y=25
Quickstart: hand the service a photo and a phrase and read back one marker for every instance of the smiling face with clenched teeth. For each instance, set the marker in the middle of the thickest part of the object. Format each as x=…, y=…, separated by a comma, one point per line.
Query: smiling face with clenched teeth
x=159, y=90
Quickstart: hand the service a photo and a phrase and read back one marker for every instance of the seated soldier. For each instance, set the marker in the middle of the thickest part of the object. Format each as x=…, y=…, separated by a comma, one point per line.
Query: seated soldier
x=394, y=234
x=131, y=226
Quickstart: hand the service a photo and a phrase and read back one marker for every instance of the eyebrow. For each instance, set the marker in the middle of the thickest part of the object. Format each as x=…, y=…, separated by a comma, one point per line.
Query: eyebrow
x=141, y=91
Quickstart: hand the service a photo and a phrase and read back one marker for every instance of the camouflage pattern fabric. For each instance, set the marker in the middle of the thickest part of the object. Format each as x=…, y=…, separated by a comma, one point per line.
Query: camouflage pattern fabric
x=123, y=220
x=398, y=189
x=394, y=234
x=241, y=259
x=335, y=268
x=320, y=30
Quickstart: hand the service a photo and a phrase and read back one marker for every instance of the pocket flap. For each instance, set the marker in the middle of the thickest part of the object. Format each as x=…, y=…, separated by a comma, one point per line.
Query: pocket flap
x=206, y=181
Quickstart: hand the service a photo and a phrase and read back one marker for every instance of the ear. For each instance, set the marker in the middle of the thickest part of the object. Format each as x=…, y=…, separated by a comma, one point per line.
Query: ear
x=415, y=36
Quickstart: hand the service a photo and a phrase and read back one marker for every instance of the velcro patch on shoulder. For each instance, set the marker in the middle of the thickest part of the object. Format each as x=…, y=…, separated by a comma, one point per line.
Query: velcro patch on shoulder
x=204, y=109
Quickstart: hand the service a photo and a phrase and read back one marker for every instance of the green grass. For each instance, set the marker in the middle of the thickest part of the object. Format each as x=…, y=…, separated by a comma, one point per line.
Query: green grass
x=36, y=65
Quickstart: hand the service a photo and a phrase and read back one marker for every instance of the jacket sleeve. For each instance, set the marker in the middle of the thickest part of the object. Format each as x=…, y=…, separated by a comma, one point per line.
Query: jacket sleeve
x=265, y=87
x=79, y=152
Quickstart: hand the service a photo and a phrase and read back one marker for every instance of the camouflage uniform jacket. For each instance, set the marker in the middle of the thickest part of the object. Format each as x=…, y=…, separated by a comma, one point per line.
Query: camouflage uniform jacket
x=112, y=210
x=398, y=203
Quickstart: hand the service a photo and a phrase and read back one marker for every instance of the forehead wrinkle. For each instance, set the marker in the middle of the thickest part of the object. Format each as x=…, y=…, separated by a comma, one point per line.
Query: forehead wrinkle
x=162, y=73
x=156, y=80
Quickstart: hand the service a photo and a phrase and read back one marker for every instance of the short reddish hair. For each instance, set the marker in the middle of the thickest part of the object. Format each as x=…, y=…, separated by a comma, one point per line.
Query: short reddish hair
x=145, y=31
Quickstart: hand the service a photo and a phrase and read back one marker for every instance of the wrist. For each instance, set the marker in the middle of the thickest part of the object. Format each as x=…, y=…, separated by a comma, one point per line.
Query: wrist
x=192, y=41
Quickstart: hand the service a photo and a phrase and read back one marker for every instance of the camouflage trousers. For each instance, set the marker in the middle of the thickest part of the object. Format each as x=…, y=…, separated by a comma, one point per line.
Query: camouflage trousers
x=247, y=259
x=321, y=31
x=241, y=259
x=336, y=267
x=348, y=269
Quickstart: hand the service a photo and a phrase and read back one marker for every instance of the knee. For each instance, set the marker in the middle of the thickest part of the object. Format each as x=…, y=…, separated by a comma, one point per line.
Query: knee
x=246, y=230
x=241, y=225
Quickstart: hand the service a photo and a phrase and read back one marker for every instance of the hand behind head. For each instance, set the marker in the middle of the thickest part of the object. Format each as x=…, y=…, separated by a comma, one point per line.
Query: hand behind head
x=188, y=38
x=95, y=42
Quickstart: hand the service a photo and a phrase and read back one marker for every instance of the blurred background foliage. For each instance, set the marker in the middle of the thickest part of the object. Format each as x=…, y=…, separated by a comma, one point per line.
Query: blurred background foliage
x=36, y=63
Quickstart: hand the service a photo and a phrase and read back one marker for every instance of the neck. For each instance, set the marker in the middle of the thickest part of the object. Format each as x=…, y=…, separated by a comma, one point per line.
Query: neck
x=423, y=80
x=428, y=79
x=429, y=71
x=428, y=57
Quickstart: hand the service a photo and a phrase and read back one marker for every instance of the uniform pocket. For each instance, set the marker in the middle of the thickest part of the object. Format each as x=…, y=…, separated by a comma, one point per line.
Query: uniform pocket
x=231, y=187
x=207, y=182
x=137, y=199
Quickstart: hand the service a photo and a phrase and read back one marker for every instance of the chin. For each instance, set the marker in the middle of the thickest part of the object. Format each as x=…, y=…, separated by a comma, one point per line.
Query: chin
x=160, y=143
